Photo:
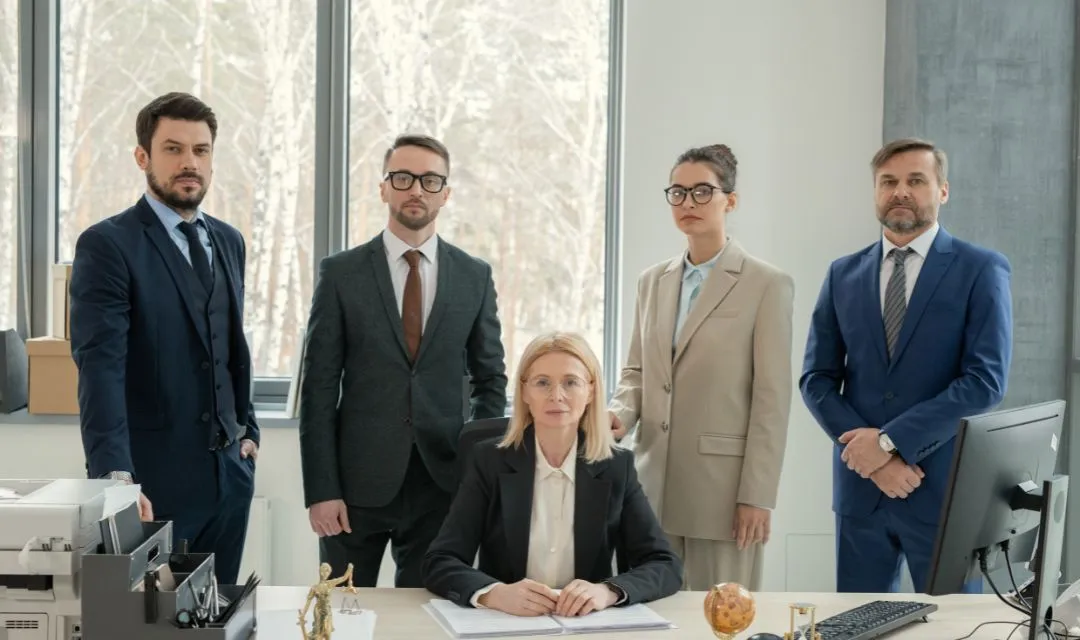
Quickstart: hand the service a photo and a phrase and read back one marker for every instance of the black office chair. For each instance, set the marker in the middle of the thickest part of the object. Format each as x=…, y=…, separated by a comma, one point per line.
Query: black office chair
x=474, y=432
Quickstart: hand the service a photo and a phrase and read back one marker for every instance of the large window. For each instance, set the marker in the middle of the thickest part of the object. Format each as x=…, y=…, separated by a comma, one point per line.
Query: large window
x=518, y=92
x=253, y=62
x=9, y=154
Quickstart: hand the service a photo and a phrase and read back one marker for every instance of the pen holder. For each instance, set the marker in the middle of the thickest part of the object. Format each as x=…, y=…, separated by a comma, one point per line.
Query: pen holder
x=121, y=596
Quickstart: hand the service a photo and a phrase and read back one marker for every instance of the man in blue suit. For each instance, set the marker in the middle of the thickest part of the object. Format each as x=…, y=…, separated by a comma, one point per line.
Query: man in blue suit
x=157, y=298
x=909, y=335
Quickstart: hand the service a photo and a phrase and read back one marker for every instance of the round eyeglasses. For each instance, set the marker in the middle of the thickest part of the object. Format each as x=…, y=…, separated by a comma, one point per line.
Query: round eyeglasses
x=571, y=386
x=403, y=181
x=701, y=193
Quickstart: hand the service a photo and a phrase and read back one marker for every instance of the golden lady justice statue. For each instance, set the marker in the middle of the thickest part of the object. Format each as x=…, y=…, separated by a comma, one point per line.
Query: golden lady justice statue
x=322, y=625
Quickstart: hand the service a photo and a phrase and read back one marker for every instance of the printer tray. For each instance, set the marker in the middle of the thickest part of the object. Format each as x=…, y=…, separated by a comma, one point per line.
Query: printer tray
x=115, y=605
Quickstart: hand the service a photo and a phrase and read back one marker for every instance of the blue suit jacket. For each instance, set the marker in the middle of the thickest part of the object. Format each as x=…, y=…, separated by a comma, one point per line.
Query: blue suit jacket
x=143, y=386
x=951, y=360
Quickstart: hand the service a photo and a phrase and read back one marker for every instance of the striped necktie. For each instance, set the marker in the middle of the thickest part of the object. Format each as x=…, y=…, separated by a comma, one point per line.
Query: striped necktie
x=895, y=298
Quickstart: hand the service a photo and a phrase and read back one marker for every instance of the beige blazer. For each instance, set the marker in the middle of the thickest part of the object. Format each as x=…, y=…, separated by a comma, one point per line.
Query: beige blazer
x=712, y=419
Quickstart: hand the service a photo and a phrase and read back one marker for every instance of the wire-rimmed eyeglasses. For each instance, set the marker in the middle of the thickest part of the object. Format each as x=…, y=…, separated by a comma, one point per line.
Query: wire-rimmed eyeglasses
x=571, y=385
x=403, y=181
x=701, y=193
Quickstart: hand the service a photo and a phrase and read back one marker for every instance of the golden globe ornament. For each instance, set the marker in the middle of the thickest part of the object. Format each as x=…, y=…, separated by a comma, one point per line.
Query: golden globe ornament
x=729, y=609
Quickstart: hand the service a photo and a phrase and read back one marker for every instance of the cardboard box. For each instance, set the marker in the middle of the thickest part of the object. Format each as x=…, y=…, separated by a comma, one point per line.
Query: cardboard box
x=53, y=378
x=60, y=327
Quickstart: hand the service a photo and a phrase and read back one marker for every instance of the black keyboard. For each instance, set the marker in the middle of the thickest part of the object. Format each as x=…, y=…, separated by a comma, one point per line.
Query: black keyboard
x=873, y=619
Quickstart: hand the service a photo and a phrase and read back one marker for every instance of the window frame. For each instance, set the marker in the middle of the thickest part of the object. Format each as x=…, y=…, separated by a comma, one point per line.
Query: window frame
x=38, y=169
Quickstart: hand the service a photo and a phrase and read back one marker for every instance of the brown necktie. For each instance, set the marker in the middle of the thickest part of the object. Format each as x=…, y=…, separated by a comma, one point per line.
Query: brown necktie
x=412, y=307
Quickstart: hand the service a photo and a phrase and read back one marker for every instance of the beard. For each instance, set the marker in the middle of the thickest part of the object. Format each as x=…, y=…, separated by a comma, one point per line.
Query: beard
x=175, y=198
x=921, y=217
x=414, y=222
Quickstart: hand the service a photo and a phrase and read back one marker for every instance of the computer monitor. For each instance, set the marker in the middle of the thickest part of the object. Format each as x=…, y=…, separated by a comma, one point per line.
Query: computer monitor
x=1001, y=486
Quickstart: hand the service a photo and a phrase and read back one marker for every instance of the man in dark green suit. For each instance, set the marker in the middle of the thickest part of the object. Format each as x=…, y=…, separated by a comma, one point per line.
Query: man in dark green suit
x=395, y=323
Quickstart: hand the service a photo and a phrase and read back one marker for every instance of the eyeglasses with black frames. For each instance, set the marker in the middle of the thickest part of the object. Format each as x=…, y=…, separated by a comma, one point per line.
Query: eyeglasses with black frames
x=403, y=181
x=701, y=193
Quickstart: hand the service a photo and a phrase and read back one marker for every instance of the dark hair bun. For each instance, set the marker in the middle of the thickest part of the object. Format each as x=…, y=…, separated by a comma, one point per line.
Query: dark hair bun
x=724, y=152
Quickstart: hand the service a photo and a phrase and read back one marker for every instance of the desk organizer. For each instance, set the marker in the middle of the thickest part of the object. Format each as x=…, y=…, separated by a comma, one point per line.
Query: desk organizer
x=115, y=605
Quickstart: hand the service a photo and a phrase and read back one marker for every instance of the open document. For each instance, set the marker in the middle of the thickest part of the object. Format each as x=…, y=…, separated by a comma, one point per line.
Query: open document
x=466, y=622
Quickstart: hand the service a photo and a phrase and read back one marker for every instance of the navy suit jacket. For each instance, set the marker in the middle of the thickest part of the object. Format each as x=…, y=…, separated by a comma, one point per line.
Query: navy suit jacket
x=143, y=383
x=951, y=360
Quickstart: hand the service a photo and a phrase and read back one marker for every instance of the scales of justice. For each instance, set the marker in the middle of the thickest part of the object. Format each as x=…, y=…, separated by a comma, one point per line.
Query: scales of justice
x=322, y=626
x=730, y=610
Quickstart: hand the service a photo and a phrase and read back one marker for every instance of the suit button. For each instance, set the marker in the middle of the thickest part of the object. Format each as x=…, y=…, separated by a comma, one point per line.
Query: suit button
x=667, y=387
x=205, y=365
x=206, y=417
x=663, y=426
x=889, y=395
x=407, y=421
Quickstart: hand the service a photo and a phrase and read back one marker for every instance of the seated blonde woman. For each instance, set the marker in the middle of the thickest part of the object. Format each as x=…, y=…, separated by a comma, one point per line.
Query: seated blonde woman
x=549, y=504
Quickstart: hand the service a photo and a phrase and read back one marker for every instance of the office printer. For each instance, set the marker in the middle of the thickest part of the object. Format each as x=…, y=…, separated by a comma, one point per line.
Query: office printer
x=46, y=527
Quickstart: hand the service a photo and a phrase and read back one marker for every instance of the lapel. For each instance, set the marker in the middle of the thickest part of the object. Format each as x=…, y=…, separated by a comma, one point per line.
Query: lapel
x=869, y=283
x=666, y=308
x=516, y=495
x=934, y=267
x=442, y=294
x=713, y=291
x=386, y=291
x=173, y=259
x=591, y=496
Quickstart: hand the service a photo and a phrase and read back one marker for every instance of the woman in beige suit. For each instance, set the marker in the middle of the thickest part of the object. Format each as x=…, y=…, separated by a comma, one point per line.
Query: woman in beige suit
x=708, y=382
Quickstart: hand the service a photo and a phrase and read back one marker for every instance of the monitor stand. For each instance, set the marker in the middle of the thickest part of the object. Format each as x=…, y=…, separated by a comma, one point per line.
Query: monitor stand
x=1049, y=500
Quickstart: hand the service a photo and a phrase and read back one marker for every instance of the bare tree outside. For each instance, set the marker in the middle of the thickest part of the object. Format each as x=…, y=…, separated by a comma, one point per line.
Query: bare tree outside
x=9, y=159
x=253, y=61
x=518, y=90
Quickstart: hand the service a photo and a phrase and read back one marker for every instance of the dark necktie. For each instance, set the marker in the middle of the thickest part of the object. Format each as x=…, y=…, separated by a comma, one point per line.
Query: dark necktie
x=199, y=260
x=895, y=298
x=411, y=306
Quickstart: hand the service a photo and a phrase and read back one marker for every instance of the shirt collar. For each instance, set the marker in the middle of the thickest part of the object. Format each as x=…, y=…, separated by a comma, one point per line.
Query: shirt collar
x=920, y=245
x=168, y=216
x=704, y=267
x=568, y=466
x=396, y=247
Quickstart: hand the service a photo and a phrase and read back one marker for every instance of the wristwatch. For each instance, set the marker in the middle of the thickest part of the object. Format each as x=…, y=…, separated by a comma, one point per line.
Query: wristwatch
x=886, y=443
x=122, y=476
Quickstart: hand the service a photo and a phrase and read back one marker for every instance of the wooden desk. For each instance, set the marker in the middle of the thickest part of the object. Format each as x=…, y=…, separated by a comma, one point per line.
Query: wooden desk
x=400, y=616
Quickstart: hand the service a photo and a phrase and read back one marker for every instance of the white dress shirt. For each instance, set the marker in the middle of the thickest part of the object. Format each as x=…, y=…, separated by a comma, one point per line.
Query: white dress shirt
x=551, y=527
x=399, y=270
x=920, y=248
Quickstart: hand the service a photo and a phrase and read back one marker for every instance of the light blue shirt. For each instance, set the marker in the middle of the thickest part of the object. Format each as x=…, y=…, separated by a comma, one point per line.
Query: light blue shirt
x=693, y=280
x=172, y=219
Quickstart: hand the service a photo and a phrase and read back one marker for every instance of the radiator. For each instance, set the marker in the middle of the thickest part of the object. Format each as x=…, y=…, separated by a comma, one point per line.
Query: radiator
x=258, y=548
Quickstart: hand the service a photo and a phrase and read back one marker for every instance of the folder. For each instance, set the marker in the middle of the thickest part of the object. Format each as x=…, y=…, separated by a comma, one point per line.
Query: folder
x=466, y=622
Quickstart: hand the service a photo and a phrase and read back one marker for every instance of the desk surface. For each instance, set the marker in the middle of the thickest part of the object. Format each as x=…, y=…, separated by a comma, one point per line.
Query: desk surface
x=399, y=614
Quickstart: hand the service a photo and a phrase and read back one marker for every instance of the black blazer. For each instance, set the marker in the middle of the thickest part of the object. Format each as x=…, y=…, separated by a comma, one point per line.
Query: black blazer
x=144, y=389
x=363, y=402
x=493, y=510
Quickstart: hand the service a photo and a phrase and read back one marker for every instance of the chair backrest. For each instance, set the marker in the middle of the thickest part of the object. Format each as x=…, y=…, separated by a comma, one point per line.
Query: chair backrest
x=474, y=432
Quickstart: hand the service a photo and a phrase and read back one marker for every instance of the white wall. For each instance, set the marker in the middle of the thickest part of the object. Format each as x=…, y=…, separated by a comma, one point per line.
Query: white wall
x=795, y=89
x=798, y=97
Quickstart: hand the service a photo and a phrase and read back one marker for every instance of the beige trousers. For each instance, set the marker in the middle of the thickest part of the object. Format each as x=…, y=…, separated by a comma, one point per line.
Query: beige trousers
x=709, y=562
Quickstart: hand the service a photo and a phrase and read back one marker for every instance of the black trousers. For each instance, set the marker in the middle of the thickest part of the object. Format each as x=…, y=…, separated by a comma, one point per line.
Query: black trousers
x=409, y=523
x=220, y=528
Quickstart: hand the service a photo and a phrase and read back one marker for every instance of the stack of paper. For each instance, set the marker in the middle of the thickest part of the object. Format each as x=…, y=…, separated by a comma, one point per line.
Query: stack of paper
x=466, y=622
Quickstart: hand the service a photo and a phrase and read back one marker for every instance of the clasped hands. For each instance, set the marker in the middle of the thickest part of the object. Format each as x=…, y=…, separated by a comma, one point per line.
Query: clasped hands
x=531, y=598
x=864, y=455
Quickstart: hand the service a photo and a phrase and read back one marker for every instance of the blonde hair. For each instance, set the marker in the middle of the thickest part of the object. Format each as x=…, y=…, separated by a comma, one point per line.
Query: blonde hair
x=594, y=422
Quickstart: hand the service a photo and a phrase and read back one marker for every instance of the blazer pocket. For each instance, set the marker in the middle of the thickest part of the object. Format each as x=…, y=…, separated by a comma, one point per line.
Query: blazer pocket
x=715, y=444
x=723, y=313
